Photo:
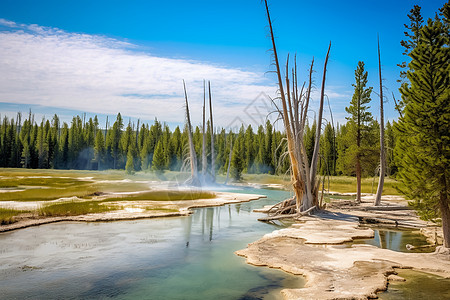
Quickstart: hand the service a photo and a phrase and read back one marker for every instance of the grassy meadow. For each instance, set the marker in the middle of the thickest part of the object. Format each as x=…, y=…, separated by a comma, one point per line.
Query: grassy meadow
x=340, y=184
x=83, y=188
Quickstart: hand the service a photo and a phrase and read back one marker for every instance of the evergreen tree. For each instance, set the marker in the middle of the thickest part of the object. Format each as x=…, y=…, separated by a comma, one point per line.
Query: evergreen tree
x=328, y=150
x=113, y=138
x=167, y=146
x=75, y=143
x=54, y=146
x=260, y=149
x=390, y=146
x=25, y=140
x=221, y=158
x=159, y=158
x=177, y=148
x=7, y=142
x=198, y=138
x=412, y=37
x=127, y=141
x=34, y=162
x=154, y=135
x=238, y=156
x=309, y=140
x=64, y=147
x=99, y=151
x=424, y=127
x=249, y=149
x=275, y=150
x=359, y=116
x=129, y=167
x=42, y=147
x=146, y=154
x=343, y=142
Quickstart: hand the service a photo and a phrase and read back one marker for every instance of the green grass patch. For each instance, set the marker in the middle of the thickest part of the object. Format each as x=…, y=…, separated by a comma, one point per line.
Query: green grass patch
x=266, y=179
x=115, y=187
x=73, y=208
x=7, y=215
x=347, y=184
x=165, y=196
x=44, y=185
x=341, y=184
x=45, y=194
x=36, y=181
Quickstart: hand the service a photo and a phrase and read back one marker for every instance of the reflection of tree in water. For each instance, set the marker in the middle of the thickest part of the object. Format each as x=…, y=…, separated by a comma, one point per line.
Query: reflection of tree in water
x=188, y=230
x=397, y=240
x=210, y=221
x=390, y=239
x=238, y=208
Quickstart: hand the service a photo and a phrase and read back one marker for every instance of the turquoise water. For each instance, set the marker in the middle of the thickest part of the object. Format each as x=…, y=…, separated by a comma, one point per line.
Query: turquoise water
x=396, y=240
x=418, y=285
x=169, y=258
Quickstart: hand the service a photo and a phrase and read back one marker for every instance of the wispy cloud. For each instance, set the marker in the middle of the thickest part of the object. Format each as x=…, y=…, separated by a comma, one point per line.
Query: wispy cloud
x=90, y=73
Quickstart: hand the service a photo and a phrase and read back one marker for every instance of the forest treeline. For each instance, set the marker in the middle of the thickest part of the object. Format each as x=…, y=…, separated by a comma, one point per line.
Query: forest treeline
x=82, y=144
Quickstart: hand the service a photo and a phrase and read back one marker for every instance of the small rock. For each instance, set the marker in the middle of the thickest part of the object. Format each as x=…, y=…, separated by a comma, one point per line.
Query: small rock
x=393, y=277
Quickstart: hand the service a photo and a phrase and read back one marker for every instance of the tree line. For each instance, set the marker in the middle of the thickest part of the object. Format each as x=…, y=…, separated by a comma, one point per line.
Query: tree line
x=83, y=144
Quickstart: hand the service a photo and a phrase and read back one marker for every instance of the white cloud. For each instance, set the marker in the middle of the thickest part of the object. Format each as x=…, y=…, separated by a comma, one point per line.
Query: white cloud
x=50, y=67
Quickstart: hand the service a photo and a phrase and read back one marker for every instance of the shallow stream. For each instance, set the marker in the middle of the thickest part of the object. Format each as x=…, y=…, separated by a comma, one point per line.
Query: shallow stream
x=168, y=258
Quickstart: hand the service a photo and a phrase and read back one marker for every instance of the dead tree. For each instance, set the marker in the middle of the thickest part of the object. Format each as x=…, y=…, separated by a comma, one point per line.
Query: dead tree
x=204, y=159
x=382, y=153
x=193, y=180
x=213, y=158
x=293, y=112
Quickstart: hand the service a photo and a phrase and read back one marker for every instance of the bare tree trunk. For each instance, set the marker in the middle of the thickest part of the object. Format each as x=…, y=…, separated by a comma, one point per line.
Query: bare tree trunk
x=315, y=156
x=204, y=160
x=193, y=156
x=213, y=158
x=106, y=127
x=229, y=158
x=304, y=186
x=358, y=154
x=298, y=183
x=382, y=153
x=137, y=133
x=358, y=178
x=445, y=211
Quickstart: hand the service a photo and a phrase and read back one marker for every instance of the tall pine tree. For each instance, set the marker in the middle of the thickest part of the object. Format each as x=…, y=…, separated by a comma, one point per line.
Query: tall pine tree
x=359, y=117
x=424, y=127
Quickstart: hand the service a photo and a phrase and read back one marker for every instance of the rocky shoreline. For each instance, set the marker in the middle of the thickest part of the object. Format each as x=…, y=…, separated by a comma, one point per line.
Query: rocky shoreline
x=314, y=248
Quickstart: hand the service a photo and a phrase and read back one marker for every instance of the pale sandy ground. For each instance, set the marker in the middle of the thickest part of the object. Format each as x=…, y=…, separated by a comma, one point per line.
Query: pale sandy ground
x=313, y=248
x=129, y=209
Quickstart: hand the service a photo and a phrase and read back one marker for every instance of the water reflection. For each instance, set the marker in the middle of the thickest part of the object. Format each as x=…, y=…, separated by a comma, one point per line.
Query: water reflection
x=170, y=258
x=418, y=285
x=397, y=240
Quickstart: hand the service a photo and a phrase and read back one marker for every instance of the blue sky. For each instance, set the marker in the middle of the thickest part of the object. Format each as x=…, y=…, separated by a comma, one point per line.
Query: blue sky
x=102, y=57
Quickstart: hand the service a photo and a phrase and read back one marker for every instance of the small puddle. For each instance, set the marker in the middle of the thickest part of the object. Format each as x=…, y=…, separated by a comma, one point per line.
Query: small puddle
x=418, y=285
x=397, y=239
